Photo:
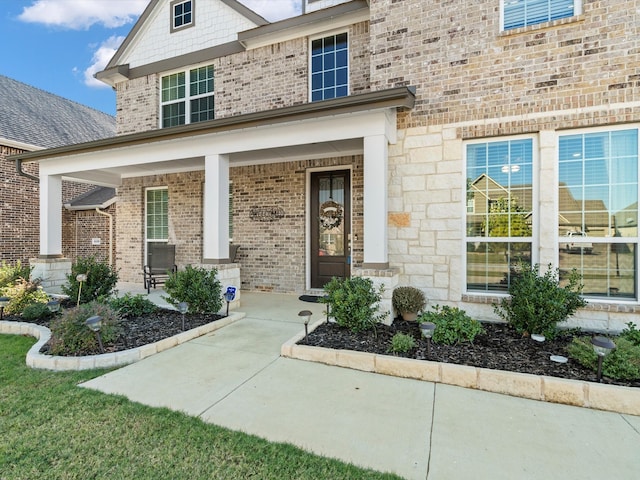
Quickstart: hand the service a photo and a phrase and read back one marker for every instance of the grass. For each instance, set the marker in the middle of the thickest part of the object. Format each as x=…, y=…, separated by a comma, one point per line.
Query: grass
x=51, y=428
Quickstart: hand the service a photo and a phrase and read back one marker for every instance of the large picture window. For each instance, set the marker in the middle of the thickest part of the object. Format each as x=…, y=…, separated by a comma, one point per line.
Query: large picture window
x=329, y=67
x=499, y=219
x=182, y=103
x=598, y=210
x=520, y=13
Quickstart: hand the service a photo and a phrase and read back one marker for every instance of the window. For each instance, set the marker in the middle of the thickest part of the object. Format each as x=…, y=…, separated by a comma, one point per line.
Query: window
x=157, y=215
x=520, y=13
x=329, y=67
x=181, y=105
x=182, y=14
x=598, y=210
x=499, y=211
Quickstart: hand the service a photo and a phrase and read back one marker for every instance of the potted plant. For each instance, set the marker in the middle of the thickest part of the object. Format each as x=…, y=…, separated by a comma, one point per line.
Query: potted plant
x=408, y=301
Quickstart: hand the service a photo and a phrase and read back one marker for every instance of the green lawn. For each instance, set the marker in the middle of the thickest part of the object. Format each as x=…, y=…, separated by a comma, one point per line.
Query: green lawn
x=52, y=429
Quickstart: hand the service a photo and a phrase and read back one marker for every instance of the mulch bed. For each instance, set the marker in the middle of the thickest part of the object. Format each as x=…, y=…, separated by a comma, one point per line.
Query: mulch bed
x=139, y=331
x=500, y=348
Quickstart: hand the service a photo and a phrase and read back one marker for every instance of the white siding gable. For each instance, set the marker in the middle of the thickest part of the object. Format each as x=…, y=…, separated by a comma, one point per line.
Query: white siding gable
x=215, y=24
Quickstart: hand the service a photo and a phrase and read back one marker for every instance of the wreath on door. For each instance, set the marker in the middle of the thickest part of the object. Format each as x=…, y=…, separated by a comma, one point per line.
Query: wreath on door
x=331, y=214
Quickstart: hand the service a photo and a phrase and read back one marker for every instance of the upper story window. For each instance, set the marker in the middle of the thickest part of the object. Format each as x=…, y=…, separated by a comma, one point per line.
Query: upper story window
x=181, y=105
x=520, y=13
x=182, y=14
x=329, y=67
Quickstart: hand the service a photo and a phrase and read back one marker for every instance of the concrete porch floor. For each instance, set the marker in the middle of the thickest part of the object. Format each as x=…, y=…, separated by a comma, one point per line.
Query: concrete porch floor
x=235, y=378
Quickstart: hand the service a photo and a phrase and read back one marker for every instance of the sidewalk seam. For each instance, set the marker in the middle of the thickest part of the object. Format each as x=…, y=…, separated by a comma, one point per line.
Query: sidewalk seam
x=433, y=421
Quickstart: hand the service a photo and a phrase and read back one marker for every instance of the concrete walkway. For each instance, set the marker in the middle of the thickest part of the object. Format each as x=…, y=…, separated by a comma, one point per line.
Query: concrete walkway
x=235, y=378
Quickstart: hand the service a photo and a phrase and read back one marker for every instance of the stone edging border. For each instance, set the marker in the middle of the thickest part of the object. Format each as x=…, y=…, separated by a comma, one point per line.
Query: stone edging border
x=35, y=359
x=598, y=396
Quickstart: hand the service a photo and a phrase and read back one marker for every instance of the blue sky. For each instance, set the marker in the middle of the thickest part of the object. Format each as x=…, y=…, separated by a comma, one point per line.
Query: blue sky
x=57, y=45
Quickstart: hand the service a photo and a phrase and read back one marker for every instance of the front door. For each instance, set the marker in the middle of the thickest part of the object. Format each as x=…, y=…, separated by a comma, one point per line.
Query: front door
x=330, y=219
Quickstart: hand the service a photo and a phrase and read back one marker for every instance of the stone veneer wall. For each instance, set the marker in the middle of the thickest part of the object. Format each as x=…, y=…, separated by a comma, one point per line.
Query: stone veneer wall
x=272, y=254
x=264, y=78
x=472, y=82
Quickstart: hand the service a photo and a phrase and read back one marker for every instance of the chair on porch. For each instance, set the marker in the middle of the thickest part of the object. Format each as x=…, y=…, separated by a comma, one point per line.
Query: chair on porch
x=161, y=261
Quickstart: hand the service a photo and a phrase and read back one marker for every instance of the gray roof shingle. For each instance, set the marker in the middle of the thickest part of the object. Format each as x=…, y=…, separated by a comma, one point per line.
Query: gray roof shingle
x=35, y=117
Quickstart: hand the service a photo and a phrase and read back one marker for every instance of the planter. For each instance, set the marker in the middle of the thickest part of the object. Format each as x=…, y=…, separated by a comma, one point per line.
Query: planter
x=409, y=316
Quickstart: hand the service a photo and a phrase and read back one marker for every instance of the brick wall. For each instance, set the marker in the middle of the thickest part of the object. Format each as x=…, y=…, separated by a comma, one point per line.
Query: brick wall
x=465, y=69
x=261, y=79
x=20, y=219
x=79, y=228
x=272, y=254
x=137, y=105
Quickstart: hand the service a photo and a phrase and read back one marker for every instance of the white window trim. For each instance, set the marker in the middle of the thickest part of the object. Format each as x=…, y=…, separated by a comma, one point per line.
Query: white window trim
x=172, y=27
x=147, y=240
x=187, y=98
x=636, y=239
x=577, y=10
x=535, y=209
x=309, y=60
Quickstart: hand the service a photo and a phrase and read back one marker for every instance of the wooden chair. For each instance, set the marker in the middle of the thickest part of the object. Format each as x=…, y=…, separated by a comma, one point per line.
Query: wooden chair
x=161, y=261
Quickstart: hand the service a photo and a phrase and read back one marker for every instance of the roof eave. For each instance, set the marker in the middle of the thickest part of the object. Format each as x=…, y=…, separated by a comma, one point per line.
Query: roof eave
x=399, y=97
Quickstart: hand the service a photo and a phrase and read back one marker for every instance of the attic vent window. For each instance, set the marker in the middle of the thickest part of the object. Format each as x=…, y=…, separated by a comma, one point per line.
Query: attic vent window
x=182, y=14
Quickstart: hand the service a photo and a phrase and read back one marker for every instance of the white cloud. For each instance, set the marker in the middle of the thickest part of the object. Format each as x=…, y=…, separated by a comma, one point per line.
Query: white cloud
x=101, y=57
x=82, y=14
x=274, y=10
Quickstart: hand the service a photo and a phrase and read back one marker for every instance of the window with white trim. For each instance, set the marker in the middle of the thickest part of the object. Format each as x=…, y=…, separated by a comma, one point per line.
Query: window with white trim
x=329, y=67
x=499, y=216
x=598, y=210
x=181, y=105
x=157, y=214
x=182, y=14
x=520, y=13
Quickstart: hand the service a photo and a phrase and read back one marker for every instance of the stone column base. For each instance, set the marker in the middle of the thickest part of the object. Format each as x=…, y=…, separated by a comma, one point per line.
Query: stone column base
x=388, y=279
x=229, y=275
x=51, y=271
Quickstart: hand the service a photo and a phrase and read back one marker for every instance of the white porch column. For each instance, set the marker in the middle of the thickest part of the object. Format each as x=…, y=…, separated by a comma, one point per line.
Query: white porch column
x=375, y=202
x=50, y=216
x=215, y=234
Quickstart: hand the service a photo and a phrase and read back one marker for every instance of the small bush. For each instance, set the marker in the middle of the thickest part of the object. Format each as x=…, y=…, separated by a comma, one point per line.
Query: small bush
x=408, y=300
x=401, y=343
x=538, y=303
x=631, y=333
x=36, y=311
x=10, y=274
x=452, y=325
x=130, y=306
x=621, y=364
x=22, y=294
x=101, y=281
x=71, y=337
x=353, y=302
x=199, y=287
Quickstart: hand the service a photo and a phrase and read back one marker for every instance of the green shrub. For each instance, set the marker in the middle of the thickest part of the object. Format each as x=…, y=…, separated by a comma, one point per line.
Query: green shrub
x=401, y=343
x=22, y=294
x=101, y=281
x=408, y=300
x=129, y=306
x=9, y=274
x=631, y=333
x=623, y=363
x=537, y=304
x=71, y=337
x=353, y=302
x=452, y=325
x=36, y=311
x=199, y=287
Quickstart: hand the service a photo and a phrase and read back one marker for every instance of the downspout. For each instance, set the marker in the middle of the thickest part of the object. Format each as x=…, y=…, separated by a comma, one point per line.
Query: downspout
x=110, y=233
x=23, y=173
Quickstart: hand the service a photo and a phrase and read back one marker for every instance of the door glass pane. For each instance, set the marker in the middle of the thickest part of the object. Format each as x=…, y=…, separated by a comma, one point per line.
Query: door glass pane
x=331, y=216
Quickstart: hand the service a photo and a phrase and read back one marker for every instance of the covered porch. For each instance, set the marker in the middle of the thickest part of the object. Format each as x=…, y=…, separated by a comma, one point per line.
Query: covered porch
x=200, y=161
